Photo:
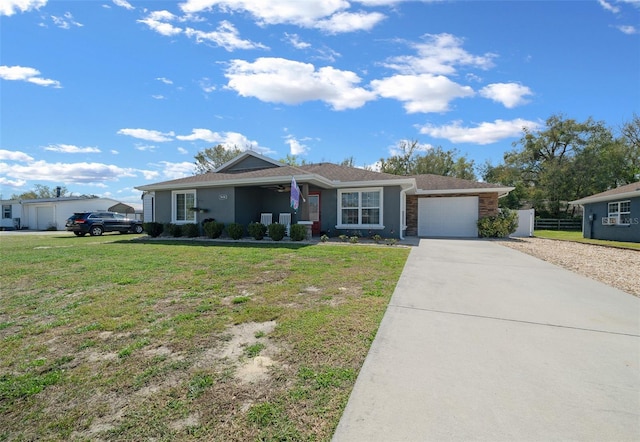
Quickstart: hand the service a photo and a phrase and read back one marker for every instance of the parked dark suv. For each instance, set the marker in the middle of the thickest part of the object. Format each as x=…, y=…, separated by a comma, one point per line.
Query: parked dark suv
x=96, y=223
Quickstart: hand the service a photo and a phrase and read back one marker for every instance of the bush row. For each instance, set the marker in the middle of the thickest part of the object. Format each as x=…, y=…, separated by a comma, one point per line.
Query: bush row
x=214, y=229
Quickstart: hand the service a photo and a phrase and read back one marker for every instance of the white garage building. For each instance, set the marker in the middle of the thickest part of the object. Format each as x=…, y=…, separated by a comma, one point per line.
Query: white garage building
x=52, y=213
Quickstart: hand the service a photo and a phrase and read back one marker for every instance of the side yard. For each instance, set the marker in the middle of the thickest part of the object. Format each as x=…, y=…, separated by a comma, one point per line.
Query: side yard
x=617, y=267
x=105, y=338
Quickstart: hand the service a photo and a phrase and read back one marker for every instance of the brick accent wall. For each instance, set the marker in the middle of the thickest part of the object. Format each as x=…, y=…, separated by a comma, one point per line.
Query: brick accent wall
x=487, y=206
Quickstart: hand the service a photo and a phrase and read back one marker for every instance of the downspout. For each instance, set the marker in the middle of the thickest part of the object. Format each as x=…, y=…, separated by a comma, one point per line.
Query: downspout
x=403, y=210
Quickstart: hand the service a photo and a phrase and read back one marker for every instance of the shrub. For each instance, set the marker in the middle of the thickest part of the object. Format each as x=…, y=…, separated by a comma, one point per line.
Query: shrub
x=191, y=230
x=324, y=238
x=498, y=226
x=257, y=230
x=298, y=232
x=153, y=229
x=343, y=238
x=277, y=231
x=213, y=229
x=354, y=239
x=174, y=230
x=376, y=238
x=235, y=230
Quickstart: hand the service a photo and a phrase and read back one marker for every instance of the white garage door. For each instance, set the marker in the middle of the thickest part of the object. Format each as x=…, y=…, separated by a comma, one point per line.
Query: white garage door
x=44, y=217
x=452, y=216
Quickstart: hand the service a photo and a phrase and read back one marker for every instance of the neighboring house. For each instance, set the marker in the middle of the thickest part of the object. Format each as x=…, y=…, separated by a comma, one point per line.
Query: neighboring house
x=612, y=215
x=52, y=213
x=335, y=199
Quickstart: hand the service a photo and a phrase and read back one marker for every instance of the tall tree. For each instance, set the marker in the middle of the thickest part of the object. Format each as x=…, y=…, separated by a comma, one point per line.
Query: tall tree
x=568, y=160
x=41, y=191
x=437, y=161
x=293, y=160
x=211, y=158
x=446, y=163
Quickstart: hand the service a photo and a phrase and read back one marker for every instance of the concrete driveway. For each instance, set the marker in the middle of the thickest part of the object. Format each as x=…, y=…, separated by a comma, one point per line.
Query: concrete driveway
x=482, y=342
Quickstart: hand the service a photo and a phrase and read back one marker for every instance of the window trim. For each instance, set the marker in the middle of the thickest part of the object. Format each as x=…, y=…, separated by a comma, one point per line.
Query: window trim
x=7, y=208
x=360, y=191
x=174, y=213
x=617, y=214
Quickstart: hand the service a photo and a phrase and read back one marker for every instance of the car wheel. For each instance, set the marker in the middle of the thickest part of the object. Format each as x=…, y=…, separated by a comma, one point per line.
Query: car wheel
x=77, y=233
x=137, y=229
x=96, y=231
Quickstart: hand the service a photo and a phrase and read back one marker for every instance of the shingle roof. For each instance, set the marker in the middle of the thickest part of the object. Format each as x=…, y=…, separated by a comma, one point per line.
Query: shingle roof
x=627, y=190
x=327, y=174
x=439, y=182
x=335, y=172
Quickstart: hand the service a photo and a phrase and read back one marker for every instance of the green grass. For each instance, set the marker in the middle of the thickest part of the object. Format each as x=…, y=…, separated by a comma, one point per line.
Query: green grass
x=577, y=237
x=115, y=338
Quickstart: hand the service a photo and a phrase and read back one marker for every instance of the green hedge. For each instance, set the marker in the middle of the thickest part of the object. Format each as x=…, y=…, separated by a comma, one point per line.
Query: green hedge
x=499, y=226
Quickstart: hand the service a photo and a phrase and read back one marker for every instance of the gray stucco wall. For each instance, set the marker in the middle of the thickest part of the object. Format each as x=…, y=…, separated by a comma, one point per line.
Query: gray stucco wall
x=163, y=206
x=595, y=229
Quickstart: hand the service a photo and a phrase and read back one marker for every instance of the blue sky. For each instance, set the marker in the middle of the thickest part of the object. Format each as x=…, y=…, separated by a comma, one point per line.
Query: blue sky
x=102, y=96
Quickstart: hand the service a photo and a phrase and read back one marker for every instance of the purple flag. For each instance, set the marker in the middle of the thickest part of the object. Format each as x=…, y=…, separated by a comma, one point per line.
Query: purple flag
x=295, y=194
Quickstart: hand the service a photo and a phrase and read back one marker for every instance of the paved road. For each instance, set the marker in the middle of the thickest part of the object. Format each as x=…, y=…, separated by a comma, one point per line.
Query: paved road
x=482, y=342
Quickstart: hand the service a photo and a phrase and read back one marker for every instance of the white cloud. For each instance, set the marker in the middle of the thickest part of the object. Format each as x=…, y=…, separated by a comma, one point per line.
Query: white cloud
x=484, y=133
x=225, y=36
x=628, y=29
x=67, y=148
x=509, y=94
x=146, y=134
x=12, y=183
x=158, y=21
x=66, y=172
x=182, y=151
x=15, y=156
x=420, y=147
x=295, y=146
x=172, y=171
x=228, y=140
x=294, y=40
x=164, y=80
x=302, y=13
x=66, y=21
x=206, y=87
x=123, y=4
x=607, y=6
x=158, y=97
x=31, y=75
x=277, y=80
x=422, y=93
x=439, y=54
x=10, y=7
x=341, y=22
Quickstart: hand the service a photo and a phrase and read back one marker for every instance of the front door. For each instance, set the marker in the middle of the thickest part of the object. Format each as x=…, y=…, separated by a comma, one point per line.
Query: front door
x=314, y=212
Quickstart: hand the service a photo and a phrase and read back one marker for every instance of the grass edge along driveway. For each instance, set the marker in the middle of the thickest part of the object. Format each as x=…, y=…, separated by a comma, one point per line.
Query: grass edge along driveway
x=117, y=338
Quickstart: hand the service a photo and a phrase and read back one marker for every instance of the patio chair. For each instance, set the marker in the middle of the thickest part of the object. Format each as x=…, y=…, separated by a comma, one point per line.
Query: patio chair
x=285, y=218
x=266, y=218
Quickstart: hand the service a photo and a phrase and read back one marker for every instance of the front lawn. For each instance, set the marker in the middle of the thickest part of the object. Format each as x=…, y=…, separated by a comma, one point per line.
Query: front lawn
x=114, y=338
x=577, y=237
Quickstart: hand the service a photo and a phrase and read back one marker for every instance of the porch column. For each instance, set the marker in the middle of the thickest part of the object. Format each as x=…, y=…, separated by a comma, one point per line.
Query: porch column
x=304, y=204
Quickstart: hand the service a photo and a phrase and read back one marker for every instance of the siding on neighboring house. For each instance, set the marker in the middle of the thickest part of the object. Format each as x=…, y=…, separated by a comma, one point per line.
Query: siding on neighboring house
x=595, y=229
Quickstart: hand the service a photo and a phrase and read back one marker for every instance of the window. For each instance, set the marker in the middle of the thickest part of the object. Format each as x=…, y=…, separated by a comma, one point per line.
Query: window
x=6, y=211
x=360, y=208
x=183, y=202
x=620, y=211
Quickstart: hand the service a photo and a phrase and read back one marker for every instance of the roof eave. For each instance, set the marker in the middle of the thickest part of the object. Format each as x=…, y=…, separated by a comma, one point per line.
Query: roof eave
x=603, y=198
x=301, y=179
x=502, y=191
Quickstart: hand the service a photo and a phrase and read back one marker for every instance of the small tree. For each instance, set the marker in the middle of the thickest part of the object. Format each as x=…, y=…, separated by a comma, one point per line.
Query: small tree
x=213, y=229
x=257, y=230
x=153, y=229
x=499, y=226
x=277, y=231
x=235, y=230
x=298, y=232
